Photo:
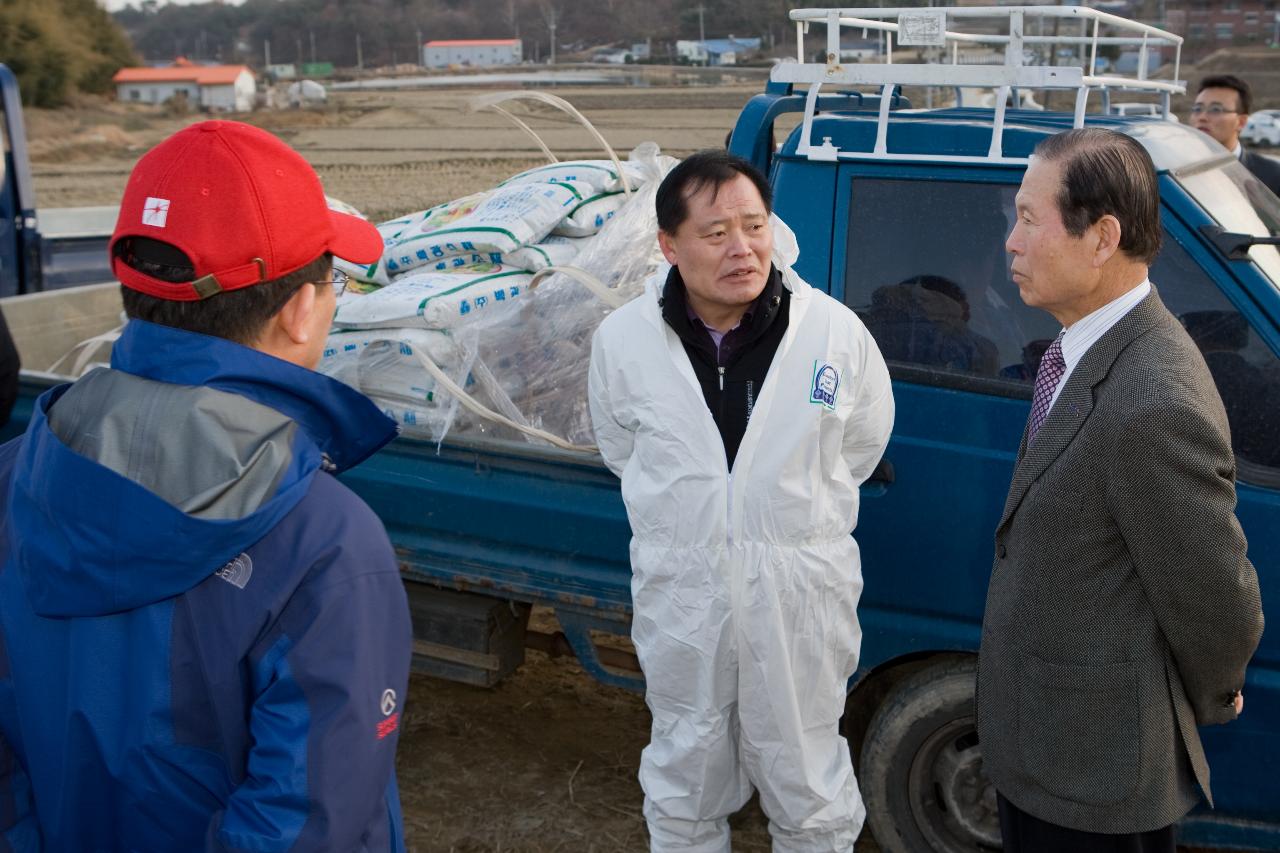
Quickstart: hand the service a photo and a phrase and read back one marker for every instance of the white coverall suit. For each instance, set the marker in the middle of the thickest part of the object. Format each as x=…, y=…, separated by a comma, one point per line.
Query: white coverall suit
x=745, y=583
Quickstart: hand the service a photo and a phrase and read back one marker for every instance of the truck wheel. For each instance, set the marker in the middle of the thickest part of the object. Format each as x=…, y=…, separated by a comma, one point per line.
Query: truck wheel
x=921, y=769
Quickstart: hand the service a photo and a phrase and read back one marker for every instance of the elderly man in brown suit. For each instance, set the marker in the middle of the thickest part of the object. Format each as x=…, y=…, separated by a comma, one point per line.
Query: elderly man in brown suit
x=1122, y=609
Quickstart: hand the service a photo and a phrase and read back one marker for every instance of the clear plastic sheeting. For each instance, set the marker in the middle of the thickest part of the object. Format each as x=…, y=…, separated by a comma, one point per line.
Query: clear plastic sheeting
x=538, y=352
x=434, y=300
x=386, y=365
x=520, y=372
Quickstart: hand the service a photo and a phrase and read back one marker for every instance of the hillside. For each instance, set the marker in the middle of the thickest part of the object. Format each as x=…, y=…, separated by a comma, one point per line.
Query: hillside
x=60, y=47
x=389, y=30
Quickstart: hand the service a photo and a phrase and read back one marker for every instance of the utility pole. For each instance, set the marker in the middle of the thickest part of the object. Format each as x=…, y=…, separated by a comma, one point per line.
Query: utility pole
x=702, y=30
x=266, y=52
x=359, y=54
x=298, y=42
x=417, y=49
x=552, y=25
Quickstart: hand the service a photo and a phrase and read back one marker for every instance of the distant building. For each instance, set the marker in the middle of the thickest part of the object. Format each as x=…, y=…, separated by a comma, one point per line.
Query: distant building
x=317, y=69
x=1213, y=25
x=716, y=51
x=473, y=52
x=219, y=88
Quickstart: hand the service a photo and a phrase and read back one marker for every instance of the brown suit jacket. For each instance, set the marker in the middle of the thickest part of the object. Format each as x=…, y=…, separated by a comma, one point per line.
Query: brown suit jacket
x=1121, y=610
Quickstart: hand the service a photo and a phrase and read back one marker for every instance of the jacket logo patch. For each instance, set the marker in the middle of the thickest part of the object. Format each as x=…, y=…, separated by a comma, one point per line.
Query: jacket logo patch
x=388, y=708
x=237, y=572
x=825, y=385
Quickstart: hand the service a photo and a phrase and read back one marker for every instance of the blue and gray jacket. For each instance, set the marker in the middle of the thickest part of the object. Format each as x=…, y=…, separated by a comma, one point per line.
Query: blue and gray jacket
x=204, y=639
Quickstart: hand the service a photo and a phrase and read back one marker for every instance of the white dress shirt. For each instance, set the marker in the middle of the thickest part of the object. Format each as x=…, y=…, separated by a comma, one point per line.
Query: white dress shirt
x=1084, y=333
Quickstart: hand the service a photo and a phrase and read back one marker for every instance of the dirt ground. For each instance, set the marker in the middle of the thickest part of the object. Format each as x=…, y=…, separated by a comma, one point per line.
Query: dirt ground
x=547, y=760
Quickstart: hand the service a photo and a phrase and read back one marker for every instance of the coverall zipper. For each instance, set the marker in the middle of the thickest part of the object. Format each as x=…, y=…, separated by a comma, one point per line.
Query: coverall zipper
x=728, y=526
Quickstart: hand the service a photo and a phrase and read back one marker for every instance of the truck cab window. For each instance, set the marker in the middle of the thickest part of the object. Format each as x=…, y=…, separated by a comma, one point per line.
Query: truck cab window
x=940, y=302
x=1246, y=371
x=944, y=311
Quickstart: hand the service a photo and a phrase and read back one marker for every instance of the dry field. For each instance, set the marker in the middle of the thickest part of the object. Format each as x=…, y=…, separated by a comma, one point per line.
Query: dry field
x=393, y=152
x=547, y=760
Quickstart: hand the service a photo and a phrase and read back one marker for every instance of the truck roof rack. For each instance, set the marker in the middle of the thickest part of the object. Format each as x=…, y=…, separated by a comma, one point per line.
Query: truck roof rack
x=950, y=27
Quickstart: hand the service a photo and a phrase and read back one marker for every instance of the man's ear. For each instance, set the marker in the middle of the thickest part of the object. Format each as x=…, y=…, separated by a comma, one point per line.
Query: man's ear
x=290, y=327
x=668, y=249
x=294, y=318
x=1107, y=233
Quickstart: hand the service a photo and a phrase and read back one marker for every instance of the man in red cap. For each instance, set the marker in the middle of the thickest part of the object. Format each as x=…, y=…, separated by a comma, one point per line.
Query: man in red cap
x=204, y=640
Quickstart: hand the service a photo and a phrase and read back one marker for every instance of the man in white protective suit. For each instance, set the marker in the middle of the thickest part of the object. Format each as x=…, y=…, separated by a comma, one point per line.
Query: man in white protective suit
x=742, y=409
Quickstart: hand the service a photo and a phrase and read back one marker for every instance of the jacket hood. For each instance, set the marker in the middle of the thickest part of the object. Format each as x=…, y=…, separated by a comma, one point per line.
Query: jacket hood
x=88, y=540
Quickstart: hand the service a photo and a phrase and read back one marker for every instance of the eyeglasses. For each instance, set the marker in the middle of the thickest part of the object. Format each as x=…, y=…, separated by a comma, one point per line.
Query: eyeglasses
x=337, y=280
x=1212, y=109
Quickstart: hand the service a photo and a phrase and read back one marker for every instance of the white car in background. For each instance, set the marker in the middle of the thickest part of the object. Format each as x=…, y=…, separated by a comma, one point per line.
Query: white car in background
x=1263, y=128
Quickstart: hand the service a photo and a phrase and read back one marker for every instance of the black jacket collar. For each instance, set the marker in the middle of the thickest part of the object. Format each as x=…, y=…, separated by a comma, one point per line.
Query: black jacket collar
x=758, y=318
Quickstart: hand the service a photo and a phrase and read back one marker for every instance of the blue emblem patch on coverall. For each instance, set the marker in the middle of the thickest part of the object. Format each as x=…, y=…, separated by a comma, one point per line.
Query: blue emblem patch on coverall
x=825, y=386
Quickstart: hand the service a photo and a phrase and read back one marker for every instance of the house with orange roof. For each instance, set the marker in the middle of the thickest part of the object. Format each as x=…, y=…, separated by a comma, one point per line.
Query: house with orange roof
x=218, y=88
x=473, y=52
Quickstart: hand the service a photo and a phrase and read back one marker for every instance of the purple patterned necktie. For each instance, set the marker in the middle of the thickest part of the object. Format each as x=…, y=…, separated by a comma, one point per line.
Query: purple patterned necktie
x=1052, y=366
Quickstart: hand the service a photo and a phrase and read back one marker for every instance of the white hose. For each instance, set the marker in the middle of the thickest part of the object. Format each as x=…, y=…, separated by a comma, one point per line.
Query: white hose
x=475, y=406
x=490, y=101
x=602, y=291
x=83, y=353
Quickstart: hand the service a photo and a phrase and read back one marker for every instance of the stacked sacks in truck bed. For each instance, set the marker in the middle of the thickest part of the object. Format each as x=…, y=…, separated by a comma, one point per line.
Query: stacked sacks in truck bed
x=448, y=330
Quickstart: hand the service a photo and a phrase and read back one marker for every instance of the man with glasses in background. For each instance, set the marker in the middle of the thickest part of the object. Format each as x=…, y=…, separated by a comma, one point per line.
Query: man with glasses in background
x=1221, y=110
x=204, y=639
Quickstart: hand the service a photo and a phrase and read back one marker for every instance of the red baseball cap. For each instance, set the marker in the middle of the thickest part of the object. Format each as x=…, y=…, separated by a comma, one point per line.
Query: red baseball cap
x=242, y=205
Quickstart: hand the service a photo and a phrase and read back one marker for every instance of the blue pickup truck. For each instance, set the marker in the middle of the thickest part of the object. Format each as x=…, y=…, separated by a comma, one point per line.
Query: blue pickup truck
x=902, y=214
x=41, y=249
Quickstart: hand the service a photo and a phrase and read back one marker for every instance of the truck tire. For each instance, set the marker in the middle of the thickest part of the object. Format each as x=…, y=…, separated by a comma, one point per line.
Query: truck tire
x=921, y=769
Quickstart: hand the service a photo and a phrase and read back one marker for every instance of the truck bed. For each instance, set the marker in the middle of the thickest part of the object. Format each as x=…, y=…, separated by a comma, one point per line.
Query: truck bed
x=499, y=518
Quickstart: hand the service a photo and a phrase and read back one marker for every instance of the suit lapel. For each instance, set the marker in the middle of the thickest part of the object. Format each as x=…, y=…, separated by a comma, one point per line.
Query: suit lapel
x=1075, y=402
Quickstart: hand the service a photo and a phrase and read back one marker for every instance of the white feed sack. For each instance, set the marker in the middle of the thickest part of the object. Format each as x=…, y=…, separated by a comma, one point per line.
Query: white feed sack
x=495, y=223
x=371, y=272
x=435, y=300
x=340, y=206
x=551, y=252
x=589, y=215
x=392, y=231
x=599, y=176
x=384, y=366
